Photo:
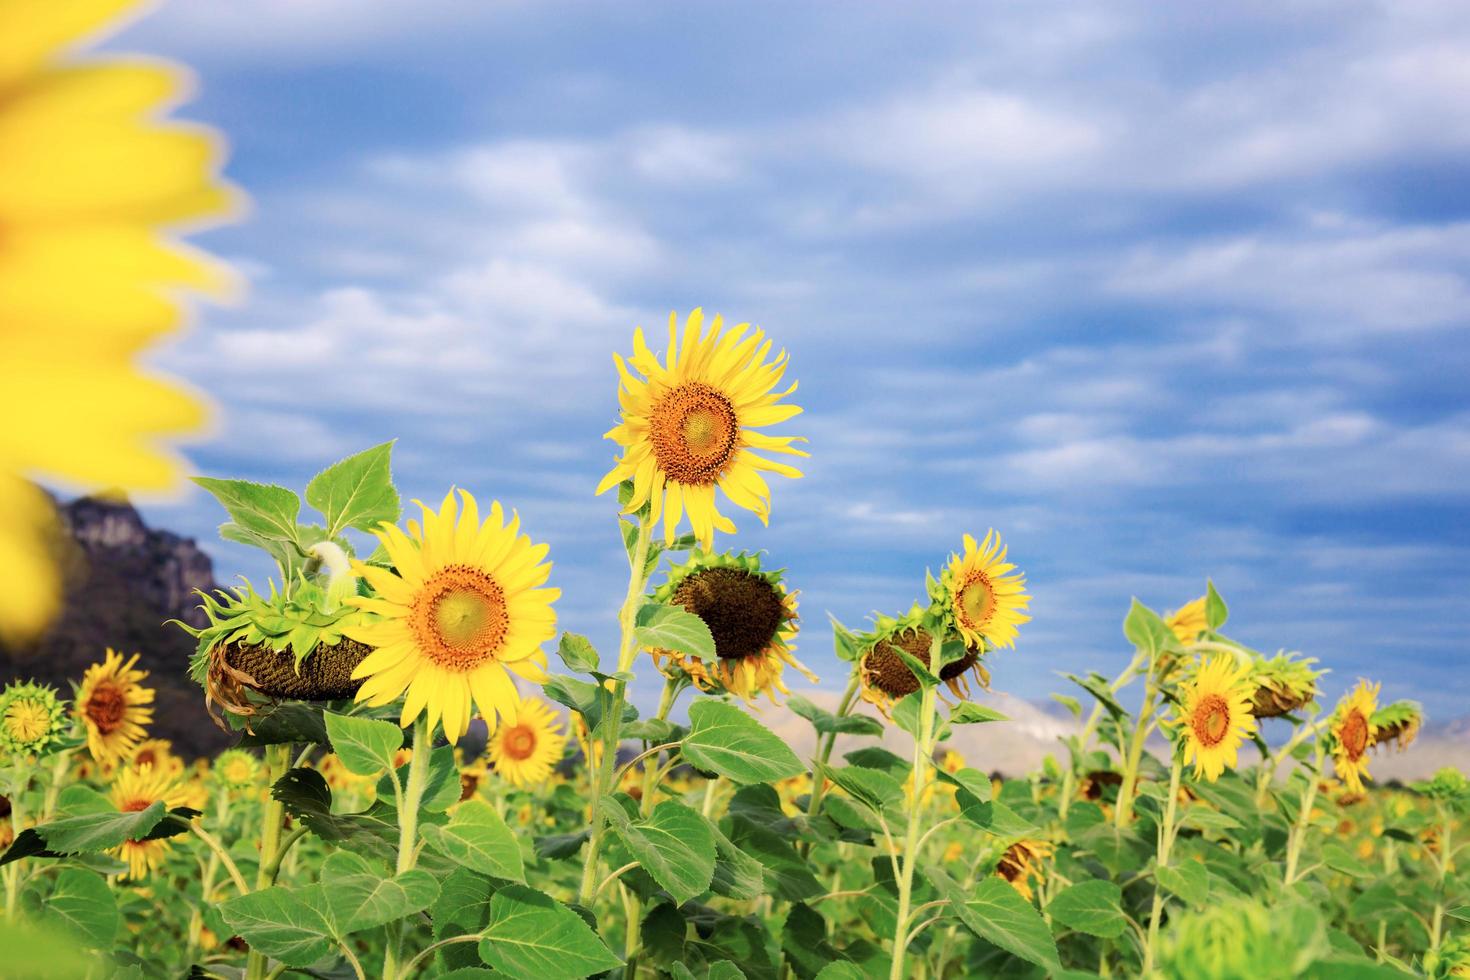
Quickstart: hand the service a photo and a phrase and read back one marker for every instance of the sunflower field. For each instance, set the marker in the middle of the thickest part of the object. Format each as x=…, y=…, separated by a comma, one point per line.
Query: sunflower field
x=1210, y=815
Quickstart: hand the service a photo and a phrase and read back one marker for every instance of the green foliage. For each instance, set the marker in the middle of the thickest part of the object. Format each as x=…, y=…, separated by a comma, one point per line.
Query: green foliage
x=726, y=740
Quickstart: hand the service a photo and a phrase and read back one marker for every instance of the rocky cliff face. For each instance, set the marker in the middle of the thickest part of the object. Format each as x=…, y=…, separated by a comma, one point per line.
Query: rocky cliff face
x=124, y=580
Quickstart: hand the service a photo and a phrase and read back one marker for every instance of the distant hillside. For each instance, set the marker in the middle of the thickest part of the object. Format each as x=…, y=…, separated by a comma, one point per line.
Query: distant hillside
x=124, y=580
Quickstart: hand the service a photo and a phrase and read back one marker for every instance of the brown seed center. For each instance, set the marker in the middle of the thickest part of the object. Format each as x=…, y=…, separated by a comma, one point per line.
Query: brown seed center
x=519, y=742
x=106, y=707
x=695, y=433
x=744, y=612
x=1211, y=720
x=459, y=618
x=885, y=668
x=1355, y=734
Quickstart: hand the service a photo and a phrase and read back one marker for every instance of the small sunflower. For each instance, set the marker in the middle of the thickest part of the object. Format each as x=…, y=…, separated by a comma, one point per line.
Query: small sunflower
x=689, y=425
x=463, y=612
x=472, y=776
x=158, y=753
x=1021, y=865
x=1214, y=716
x=136, y=789
x=32, y=719
x=1397, y=724
x=1188, y=621
x=982, y=595
x=92, y=181
x=884, y=677
x=237, y=769
x=1353, y=733
x=751, y=616
x=525, y=751
x=113, y=705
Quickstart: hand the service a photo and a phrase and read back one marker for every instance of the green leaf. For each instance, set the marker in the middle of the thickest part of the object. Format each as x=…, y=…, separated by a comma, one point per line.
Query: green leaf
x=737, y=875
x=674, y=628
x=994, y=816
x=844, y=641
x=1145, y=629
x=907, y=711
x=592, y=701
x=726, y=740
x=1093, y=907
x=1461, y=912
x=532, y=935
x=263, y=509
x=1216, y=612
x=675, y=844
x=289, y=721
x=288, y=556
x=972, y=781
x=364, y=745
x=478, y=838
x=1070, y=703
x=37, y=949
x=360, y=896
x=281, y=924
x=1336, y=857
x=997, y=914
x=785, y=874
x=82, y=902
x=969, y=713
x=841, y=970
x=919, y=668
x=578, y=653
x=305, y=795
x=1189, y=880
x=98, y=831
x=462, y=908
x=356, y=492
x=871, y=787
x=804, y=941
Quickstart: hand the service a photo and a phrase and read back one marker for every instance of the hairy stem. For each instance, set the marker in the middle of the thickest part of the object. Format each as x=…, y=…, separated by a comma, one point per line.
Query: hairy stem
x=923, y=748
x=277, y=759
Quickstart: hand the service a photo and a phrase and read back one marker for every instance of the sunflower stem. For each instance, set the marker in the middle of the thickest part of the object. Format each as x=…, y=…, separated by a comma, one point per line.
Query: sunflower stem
x=923, y=749
x=1166, y=845
x=672, y=687
x=613, y=720
x=1303, y=820
x=825, y=744
x=277, y=759
x=1124, y=810
x=408, y=829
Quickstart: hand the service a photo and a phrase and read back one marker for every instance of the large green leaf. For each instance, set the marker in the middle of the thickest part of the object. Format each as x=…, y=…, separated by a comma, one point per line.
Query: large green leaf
x=289, y=721
x=84, y=905
x=577, y=652
x=969, y=713
x=997, y=914
x=364, y=745
x=477, y=838
x=1189, y=880
x=1093, y=907
x=785, y=874
x=264, y=509
x=972, y=781
x=675, y=844
x=1146, y=630
x=356, y=492
x=726, y=740
x=99, y=831
x=462, y=908
x=871, y=787
x=592, y=701
x=674, y=628
x=360, y=895
x=282, y=924
x=737, y=875
x=532, y=935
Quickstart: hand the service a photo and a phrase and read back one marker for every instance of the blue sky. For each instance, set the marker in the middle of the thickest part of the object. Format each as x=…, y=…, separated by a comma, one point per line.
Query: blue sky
x=1161, y=292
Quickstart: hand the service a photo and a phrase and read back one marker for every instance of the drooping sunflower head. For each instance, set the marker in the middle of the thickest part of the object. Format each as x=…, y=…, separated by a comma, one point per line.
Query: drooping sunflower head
x=525, y=752
x=1214, y=715
x=158, y=753
x=32, y=719
x=751, y=616
x=1188, y=621
x=114, y=706
x=463, y=608
x=1398, y=724
x=1353, y=732
x=689, y=425
x=237, y=768
x=135, y=789
x=1285, y=683
x=981, y=595
x=1021, y=865
x=885, y=677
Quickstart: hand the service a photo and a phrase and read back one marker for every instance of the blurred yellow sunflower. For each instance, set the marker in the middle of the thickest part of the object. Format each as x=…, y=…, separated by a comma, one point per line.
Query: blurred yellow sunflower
x=464, y=610
x=1021, y=865
x=1188, y=621
x=113, y=705
x=136, y=789
x=751, y=616
x=1353, y=734
x=1214, y=715
x=689, y=425
x=237, y=768
x=525, y=751
x=90, y=178
x=983, y=594
x=158, y=753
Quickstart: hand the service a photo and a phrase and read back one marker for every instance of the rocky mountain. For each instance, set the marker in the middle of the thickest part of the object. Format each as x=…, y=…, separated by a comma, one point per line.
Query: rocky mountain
x=123, y=581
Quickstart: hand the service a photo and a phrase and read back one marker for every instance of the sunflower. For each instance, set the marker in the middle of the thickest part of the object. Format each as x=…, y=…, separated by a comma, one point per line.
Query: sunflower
x=236, y=768
x=1284, y=684
x=32, y=719
x=1021, y=865
x=884, y=676
x=982, y=595
x=751, y=616
x=1398, y=723
x=113, y=705
x=136, y=789
x=1214, y=715
x=90, y=179
x=689, y=425
x=464, y=610
x=1188, y=621
x=525, y=750
x=472, y=776
x=1353, y=733
x=158, y=753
